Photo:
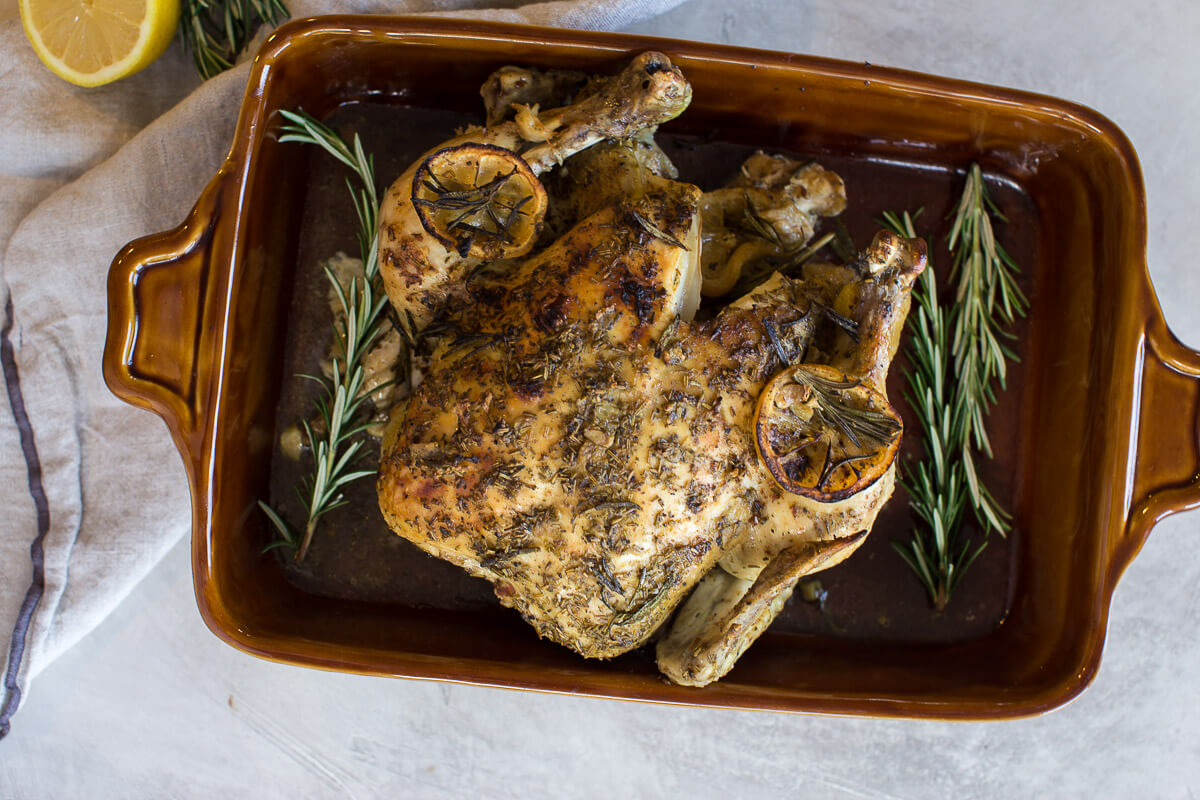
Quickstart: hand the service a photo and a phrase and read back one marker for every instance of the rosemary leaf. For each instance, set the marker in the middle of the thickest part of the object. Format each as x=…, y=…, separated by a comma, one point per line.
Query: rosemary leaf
x=843, y=244
x=803, y=256
x=758, y=224
x=655, y=231
x=286, y=534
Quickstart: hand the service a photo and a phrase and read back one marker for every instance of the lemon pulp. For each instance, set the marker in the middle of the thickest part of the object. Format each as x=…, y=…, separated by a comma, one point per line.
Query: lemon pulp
x=93, y=42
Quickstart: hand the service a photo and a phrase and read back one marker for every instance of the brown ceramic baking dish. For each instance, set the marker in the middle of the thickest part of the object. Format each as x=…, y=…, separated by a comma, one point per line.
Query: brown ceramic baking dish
x=1097, y=431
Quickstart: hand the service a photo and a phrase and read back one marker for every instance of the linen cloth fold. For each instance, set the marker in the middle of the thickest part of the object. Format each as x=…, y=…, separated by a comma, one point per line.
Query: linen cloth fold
x=93, y=491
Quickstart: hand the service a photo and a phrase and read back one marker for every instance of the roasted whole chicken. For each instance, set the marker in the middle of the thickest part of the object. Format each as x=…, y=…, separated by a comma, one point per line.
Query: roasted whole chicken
x=616, y=467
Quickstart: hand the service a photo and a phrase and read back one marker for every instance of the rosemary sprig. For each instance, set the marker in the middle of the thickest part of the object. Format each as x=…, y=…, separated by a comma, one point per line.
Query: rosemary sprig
x=856, y=424
x=936, y=485
x=956, y=357
x=363, y=321
x=987, y=303
x=216, y=32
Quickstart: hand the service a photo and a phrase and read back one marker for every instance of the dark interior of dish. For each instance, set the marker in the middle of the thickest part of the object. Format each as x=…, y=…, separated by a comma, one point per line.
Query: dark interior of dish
x=1024, y=630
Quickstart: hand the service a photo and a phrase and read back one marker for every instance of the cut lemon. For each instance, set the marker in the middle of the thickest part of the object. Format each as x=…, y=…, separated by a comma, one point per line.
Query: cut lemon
x=823, y=435
x=93, y=42
x=480, y=200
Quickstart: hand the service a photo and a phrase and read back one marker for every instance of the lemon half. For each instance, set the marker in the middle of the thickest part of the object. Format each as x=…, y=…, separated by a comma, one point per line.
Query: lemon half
x=93, y=42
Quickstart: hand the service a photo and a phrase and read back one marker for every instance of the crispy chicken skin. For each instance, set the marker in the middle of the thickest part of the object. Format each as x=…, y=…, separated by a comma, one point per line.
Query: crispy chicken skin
x=580, y=441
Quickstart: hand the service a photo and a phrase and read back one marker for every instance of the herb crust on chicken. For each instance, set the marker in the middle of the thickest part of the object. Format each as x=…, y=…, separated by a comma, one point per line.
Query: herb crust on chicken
x=578, y=438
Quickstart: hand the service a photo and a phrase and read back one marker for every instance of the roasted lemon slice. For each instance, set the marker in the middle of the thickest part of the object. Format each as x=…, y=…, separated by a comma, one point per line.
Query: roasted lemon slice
x=480, y=200
x=823, y=435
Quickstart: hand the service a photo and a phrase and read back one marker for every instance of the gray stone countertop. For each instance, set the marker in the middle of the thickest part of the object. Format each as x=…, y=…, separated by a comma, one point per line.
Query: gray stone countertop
x=151, y=705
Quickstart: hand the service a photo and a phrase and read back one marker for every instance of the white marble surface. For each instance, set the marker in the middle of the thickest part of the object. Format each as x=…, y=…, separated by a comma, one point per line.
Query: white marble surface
x=151, y=705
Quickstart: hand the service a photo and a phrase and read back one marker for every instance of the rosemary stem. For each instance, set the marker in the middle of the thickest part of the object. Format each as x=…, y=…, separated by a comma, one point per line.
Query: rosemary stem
x=309, y=529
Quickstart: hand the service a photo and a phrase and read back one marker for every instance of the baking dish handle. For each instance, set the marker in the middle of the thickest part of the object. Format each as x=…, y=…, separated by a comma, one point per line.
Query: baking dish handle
x=157, y=315
x=1166, y=477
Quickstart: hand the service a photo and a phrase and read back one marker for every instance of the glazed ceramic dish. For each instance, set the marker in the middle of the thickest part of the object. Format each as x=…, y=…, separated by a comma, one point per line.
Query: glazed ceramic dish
x=1100, y=433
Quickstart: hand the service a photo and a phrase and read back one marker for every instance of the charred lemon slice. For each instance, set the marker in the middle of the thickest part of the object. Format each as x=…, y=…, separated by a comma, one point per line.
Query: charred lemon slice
x=479, y=200
x=823, y=435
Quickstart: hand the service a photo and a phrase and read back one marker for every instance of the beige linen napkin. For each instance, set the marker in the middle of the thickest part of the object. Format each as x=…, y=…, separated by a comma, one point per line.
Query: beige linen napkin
x=92, y=491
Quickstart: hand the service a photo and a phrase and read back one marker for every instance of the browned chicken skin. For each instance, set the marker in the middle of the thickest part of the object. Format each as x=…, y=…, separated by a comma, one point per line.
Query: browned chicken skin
x=580, y=442
x=418, y=271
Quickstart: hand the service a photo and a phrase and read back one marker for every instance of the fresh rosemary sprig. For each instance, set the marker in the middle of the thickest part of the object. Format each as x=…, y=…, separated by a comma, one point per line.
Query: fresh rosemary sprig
x=957, y=357
x=363, y=302
x=936, y=485
x=987, y=303
x=216, y=32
